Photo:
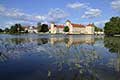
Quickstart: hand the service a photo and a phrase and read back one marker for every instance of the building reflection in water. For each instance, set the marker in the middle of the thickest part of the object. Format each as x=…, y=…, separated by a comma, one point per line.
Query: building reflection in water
x=76, y=57
x=73, y=40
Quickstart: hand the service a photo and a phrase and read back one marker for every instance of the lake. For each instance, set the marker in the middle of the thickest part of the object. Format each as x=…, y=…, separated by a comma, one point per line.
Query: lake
x=59, y=57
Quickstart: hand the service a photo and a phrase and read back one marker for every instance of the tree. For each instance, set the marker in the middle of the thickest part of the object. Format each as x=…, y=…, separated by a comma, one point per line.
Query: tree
x=43, y=28
x=17, y=28
x=1, y=30
x=66, y=29
x=97, y=29
x=6, y=30
x=113, y=26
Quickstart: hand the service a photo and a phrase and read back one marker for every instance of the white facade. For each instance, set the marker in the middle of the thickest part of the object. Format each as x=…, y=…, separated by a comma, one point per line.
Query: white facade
x=73, y=28
x=53, y=29
x=56, y=28
x=89, y=30
x=31, y=29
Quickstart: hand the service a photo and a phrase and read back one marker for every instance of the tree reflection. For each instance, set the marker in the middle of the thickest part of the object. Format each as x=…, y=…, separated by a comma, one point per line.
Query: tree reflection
x=66, y=40
x=15, y=41
x=66, y=58
x=42, y=41
x=113, y=44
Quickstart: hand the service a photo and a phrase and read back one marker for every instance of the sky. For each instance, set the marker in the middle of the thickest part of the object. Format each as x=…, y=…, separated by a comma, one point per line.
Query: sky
x=30, y=12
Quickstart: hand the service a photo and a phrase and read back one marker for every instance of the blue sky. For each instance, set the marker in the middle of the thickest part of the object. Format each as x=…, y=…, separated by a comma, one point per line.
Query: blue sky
x=30, y=12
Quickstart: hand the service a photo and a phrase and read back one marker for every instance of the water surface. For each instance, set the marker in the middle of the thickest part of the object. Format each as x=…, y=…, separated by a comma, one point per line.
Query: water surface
x=59, y=57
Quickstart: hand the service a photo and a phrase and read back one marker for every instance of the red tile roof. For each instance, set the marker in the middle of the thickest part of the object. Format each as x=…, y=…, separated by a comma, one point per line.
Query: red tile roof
x=90, y=25
x=78, y=25
x=59, y=26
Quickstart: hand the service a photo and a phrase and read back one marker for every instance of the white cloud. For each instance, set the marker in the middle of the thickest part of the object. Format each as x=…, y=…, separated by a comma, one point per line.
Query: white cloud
x=8, y=24
x=56, y=15
x=92, y=13
x=76, y=5
x=101, y=24
x=89, y=13
x=38, y=17
x=2, y=9
x=116, y=5
x=19, y=15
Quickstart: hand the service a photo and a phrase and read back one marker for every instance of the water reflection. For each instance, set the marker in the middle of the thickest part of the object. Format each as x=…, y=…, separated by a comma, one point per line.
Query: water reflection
x=73, y=40
x=59, y=57
x=113, y=44
x=42, y=41
x=3, y=57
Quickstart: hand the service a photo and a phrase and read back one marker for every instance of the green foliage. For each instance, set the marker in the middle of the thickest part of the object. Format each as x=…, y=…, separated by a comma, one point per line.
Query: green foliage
x=17, y=28
x=42, y=28
x=66, y=29
x=1, y=30
x=6, y=30
x=113, y=44
x=113, y=26
x=97, y=28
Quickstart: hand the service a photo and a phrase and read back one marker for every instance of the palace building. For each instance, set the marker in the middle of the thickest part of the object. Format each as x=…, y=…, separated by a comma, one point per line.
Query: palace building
x=73, y=28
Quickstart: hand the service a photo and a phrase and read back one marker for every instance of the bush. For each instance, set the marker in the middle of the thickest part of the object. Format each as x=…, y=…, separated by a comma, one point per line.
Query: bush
x=66, y=29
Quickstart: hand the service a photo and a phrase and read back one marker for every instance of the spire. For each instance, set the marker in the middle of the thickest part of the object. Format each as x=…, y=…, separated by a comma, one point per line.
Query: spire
x=52, y=22
x=68, y=21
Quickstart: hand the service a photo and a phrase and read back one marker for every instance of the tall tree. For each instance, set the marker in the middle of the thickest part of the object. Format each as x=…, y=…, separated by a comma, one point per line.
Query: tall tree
x=97, y=28
x=113, y=26
x=44, y=28
x=17, y=28
x=6, y=30
x=1, y=30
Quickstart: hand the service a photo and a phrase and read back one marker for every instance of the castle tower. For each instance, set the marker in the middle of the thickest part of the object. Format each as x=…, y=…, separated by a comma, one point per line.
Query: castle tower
x=90, y=29
x=53, y=29
x=68, y=23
